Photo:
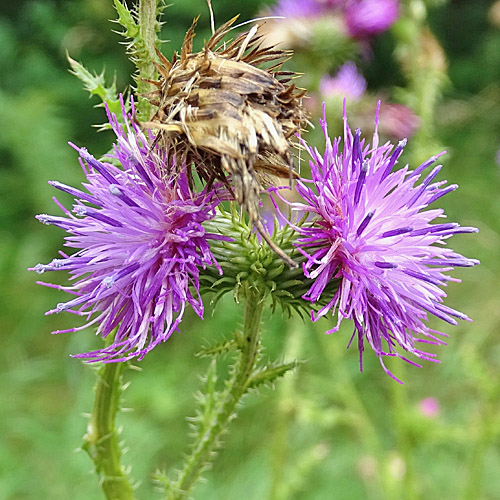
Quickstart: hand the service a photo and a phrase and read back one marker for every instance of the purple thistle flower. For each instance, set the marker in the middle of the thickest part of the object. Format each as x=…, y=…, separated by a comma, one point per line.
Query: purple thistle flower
x=140, y=243
x=366, y=18
x=372, y=230
x=347, y=82
x=298, y=8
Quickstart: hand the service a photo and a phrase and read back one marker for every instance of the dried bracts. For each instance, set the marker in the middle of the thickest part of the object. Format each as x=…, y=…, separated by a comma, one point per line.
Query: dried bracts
x=227, y=117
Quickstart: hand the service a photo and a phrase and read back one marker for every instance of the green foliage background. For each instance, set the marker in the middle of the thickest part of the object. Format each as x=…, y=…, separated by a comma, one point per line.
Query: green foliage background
x=327, y=431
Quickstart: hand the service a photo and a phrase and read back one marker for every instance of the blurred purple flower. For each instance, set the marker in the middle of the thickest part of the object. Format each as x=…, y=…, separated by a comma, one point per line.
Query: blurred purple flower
x=347, y=82
x=429, y=407
x=398, y=120
x=298, y=8
x=140, y=243
x=373, y=231
x=366, y=18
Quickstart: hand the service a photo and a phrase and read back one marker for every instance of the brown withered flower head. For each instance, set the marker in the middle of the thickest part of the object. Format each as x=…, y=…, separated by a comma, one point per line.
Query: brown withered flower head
x=231, y=113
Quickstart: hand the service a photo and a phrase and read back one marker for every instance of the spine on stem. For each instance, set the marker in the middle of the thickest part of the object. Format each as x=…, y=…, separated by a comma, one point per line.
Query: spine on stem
x=141, y=27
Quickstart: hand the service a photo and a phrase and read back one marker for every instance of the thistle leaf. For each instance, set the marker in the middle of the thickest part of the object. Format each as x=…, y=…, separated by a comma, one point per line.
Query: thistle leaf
x=217, y=349
x=268, y=374
x=126, y=20
x=95, y=84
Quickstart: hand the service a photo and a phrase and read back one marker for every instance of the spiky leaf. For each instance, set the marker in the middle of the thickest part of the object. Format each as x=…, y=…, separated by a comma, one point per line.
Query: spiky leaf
x=271, y=372
x=217, y=349
x=95, y=84
x=126, y=20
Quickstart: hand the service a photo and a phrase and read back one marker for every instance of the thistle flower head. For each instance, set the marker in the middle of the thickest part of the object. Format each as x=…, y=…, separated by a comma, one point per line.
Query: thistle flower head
x=139, y=244
x=371, y=228
x=366, y=18
x=226, y=114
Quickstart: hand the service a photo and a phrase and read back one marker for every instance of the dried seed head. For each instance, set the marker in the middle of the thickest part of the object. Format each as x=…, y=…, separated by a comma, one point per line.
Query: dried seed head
x=226, y=116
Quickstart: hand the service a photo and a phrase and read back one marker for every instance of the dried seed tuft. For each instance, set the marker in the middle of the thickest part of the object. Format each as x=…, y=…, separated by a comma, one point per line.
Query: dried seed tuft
x=227, y=116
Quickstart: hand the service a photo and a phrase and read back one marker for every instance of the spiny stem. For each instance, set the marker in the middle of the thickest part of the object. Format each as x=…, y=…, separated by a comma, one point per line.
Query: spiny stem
x=147, y=24
x=101, y=441
x=237, y=386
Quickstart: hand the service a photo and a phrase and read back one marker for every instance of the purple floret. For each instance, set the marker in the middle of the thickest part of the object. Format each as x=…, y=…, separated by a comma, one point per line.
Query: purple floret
x=139, y=244
x=372, y=230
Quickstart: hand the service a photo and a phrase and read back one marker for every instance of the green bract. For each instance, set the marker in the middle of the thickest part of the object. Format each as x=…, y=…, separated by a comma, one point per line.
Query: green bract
x=246, y=259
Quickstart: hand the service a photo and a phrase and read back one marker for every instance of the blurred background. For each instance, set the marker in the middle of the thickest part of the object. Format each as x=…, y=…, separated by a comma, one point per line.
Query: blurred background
x=326, y=431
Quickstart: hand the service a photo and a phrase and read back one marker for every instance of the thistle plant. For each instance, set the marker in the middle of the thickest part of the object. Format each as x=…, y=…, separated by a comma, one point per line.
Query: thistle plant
x=159, y=226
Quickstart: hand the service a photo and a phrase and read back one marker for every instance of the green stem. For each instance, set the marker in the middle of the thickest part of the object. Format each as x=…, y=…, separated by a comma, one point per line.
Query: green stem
x=242, y=372
x=147, y=24
x=101, y=441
